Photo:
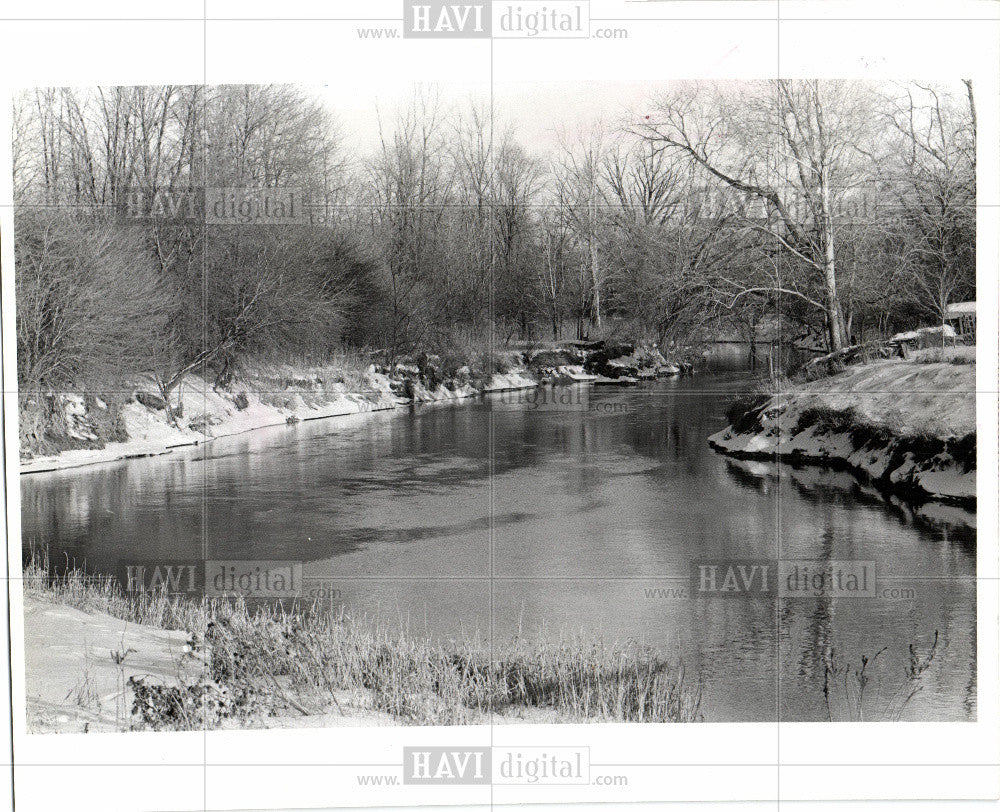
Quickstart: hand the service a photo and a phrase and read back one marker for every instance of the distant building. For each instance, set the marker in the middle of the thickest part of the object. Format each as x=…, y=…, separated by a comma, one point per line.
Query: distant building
x=962, y=317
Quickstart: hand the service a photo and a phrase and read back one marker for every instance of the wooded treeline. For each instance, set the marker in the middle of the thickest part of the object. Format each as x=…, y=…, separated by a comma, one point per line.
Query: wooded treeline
x=840, y=211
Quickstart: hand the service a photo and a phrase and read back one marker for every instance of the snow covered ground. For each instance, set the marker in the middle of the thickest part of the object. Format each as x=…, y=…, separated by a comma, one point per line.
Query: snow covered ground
x=280, y=395
x=906, y=425
x=77, y=681
x=73, y=683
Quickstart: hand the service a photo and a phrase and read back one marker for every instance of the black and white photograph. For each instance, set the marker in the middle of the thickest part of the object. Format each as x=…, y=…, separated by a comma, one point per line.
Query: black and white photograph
x=405, y=405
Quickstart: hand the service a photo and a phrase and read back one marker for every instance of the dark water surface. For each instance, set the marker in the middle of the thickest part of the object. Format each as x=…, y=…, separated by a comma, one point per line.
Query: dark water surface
x=565, y=519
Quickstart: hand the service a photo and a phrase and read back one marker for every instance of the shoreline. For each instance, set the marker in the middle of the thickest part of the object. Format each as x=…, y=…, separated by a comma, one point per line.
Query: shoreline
x=216, y=415
x=73, y=686
x=120, y=661
x=856, y=421
x=887, y=482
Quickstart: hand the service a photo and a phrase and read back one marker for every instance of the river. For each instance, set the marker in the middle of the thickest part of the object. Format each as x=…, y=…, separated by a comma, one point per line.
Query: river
x=573, y=520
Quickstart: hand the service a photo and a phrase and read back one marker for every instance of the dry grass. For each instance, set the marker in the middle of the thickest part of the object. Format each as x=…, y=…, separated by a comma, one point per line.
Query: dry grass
x=949, y=355
x=864, y=692
x=309, y=372
x=268, y=659
x=99, y=593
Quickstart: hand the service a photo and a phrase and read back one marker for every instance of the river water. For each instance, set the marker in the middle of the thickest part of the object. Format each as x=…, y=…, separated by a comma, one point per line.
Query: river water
x=576, y=520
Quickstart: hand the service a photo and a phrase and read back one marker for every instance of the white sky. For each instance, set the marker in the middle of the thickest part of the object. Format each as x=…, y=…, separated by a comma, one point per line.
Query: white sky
x=536, y=110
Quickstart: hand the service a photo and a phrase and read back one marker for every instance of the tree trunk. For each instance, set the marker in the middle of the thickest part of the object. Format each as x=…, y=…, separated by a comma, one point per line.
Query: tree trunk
x=835, y=318
x=595, y=282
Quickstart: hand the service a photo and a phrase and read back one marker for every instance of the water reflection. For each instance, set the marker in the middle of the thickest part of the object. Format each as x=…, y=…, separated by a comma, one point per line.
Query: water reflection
x=565, y=522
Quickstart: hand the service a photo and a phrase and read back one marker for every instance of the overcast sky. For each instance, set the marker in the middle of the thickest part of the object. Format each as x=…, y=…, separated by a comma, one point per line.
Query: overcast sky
x=535, y=110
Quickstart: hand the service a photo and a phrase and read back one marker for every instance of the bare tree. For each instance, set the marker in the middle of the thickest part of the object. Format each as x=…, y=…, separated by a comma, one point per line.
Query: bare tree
x=579, y=174
x=411, y=188
x=932, y=175
x=90, y=304
x=789, y=145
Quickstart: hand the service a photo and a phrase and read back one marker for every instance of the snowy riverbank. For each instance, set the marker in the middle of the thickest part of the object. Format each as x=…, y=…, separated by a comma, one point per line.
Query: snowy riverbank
x=276, y=396
x=74, y=683
x=909, y=427
x=99, y=659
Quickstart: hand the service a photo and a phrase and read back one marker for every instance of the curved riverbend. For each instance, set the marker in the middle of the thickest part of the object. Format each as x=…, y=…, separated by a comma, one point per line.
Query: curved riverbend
x=572, y=517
